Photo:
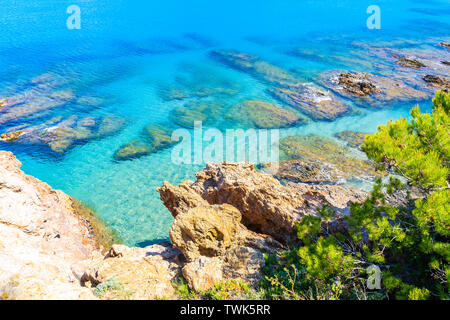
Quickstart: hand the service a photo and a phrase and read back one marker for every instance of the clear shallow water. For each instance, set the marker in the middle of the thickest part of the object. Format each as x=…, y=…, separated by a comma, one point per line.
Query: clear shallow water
x=126, y=50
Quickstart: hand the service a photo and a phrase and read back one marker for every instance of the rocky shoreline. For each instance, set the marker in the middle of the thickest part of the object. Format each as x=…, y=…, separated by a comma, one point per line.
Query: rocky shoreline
x=223, y=223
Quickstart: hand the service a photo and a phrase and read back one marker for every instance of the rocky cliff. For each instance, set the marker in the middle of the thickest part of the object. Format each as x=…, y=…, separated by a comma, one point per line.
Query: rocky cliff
x=223, y=222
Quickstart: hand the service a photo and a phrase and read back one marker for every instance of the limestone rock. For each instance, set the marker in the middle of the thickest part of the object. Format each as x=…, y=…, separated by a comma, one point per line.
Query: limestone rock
x=205, y=230
x=42, y=238
x=203, y=273
x=142, y=273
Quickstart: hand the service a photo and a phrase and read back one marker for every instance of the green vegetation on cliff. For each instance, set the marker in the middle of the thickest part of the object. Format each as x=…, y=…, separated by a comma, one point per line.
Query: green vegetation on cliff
x=385, y=248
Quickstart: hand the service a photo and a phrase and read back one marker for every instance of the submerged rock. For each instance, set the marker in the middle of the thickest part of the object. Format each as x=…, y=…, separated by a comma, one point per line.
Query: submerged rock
x=27, y=106
x=410, y=63
x=194, y=81
x=155, y=137
x=60, y=134
x=318, y=104
x=205, y=111
x=327, y=152
x=445, y=44
x=260, y=114
x=315, y=172
x=259, y=68
x=369, y=88
x=354, y=139
x=436, y=81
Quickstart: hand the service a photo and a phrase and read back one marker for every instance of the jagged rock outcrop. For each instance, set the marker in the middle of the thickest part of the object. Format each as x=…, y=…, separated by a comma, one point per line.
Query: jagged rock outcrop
x=266, y=205
x=47, y=250
x=233, y=213
x=42, y=239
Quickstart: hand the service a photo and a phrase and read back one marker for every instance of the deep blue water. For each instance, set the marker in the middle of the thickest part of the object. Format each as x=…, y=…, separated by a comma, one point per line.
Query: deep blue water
x=126, y=50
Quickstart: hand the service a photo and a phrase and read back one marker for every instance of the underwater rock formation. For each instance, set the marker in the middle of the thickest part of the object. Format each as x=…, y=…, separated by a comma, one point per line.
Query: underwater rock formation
x=366, y=88
x=194, y=81
x=354, y=139
x=438, y=82
x=410, y=63
x=350, y=164
x=31, y=103
x=315, y=172
x=155, y=137
x=317, y=104
x=205, y=111
x=60, y=134
x=263, y=115
x=311, y=100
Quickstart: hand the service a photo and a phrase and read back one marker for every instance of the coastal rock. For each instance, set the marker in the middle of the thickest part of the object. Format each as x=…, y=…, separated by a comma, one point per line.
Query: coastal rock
x=203, y=273
x=350, y=164
x=264, y=115
x=436, y=81
x=266, y=206
x=368, y=88
x=205, y=230
x=43, y=238
x=445, y=44
x=354, y=139
x=140, y=273
x=317, y=104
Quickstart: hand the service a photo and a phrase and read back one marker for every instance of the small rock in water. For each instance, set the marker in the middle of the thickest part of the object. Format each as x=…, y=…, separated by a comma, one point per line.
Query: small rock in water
x=410, y=63
x=445, y=44
x=437, y=81
x=154, y=137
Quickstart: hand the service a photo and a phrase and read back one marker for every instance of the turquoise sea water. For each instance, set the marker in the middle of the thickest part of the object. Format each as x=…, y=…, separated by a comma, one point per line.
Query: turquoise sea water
x=126, y=50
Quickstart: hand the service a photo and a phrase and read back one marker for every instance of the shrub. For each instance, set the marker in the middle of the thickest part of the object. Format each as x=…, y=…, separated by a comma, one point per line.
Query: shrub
x=409, y=245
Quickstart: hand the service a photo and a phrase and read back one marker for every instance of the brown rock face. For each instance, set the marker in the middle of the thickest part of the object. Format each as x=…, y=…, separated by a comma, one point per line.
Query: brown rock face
x=437, y=81
x=203, y=273
x=205, y=230
x=266, y=206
